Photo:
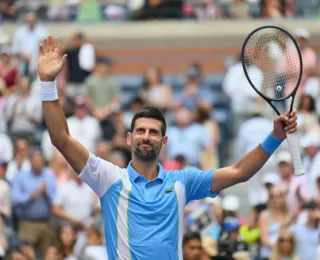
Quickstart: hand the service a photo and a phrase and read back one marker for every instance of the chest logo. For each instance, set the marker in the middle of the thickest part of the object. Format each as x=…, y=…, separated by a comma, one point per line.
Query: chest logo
x=168, y=190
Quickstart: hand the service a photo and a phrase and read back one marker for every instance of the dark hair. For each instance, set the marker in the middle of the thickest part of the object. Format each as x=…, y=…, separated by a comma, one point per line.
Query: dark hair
x=190, y=236
x=312, y=102
x=150, y=112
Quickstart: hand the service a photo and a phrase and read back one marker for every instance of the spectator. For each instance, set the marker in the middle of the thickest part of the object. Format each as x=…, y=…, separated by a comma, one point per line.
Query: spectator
x=8, y=71
x=4, y=97
x=53, y=254
x=26, y=42
x=74, y=202
x=117, y=158
x=276, y=216
x=24, y=113
x=188, y=138
x=135, y=105
x=21, y=161
x=32, y=195
x=213, y=130
x=285, y=248
x=154, y=91
x=208, y=10
x=103, y=91
x=60, y=167
x=297, y=192
x=84, y=127
x=310, y=143
x=307, y=115
x=95, y=250
x=195, y=93
x=240, y=10
x=5, y=207
x=192, y=246
x=81, y=60
x=309, y=59
x=103, y=149
x=68, y=246
x=271, y=9
x=6, y=148
x=307, y=233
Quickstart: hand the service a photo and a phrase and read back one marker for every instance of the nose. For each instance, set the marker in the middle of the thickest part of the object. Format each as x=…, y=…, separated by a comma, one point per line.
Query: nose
x=146, y=136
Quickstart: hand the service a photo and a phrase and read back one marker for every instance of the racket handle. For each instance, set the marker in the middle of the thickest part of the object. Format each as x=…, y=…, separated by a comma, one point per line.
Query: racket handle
x=295, y=154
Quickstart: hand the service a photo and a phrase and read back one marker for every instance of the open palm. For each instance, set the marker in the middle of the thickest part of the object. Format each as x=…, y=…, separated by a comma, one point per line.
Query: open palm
x=50, y=64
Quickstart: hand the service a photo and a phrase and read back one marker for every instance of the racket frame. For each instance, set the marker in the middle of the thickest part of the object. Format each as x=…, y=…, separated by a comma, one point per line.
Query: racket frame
x=293, y=93
x=293, y=145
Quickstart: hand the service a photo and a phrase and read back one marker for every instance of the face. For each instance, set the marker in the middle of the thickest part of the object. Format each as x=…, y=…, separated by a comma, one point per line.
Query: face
x=18, y=256
x=76, y=41
x=22, y=148
x=5, y=58
x=184, y=117
x=152, y=76
x=146, y=140
x=277, y=198
x=24, y=84
x=311, y=151
x=37, y=162
x=67, y=236
x=192, y=250
x=285, y=170
x=80, y=112
x=302, y=42
x=306, y=104
x=313, y=214
x=31, y=19
x=286, y=244
x=102, y=68
x=52, y=254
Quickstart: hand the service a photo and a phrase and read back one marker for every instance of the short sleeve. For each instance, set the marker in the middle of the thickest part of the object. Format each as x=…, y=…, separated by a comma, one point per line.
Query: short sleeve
x=197, y=183
x=100, y=174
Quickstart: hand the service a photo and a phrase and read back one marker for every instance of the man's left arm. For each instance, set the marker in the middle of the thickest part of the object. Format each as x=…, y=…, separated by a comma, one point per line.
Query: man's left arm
x=252, y=162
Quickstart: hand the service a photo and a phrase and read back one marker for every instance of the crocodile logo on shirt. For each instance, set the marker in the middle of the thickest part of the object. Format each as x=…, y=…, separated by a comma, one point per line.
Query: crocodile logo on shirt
x=168, y=190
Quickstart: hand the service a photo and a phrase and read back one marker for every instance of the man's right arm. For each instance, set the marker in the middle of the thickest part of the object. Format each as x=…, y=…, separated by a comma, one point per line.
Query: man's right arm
x=74, y=152
x=49, y=66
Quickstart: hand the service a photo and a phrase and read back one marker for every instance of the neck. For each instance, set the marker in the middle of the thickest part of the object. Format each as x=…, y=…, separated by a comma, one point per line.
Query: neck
x=148, y=170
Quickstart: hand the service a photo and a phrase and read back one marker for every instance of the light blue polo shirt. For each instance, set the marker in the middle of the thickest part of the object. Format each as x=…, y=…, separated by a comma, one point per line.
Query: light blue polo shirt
x=143, y=219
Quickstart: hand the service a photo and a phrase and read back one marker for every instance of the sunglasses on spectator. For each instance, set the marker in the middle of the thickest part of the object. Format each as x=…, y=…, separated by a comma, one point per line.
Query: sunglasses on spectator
x=285, y=239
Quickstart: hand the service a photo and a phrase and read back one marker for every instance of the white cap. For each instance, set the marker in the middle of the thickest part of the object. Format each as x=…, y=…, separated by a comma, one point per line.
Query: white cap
x=231, y=203
x=284, y=156
x=302, y=33
x=271, y=177
x=309, y=139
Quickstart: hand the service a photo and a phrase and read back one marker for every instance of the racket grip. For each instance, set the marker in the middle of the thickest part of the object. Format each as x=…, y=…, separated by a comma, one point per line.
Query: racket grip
x=295, y=154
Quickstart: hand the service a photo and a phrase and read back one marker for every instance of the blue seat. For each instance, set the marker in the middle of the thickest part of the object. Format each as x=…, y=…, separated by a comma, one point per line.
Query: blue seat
x=214, y=81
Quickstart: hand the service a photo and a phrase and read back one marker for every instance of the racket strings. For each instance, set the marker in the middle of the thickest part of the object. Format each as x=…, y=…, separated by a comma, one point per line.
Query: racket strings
x=273, y=63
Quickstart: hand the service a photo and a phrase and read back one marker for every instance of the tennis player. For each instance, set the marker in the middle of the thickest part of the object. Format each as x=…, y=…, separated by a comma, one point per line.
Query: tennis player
x=143, y=204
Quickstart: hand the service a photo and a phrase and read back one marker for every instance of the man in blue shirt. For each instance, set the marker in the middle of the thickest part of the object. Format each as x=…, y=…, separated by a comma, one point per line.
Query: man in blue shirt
x=143, y=205
x=32, y=193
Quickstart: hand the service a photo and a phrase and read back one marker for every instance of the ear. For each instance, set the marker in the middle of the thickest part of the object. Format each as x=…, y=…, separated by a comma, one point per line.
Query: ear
x=129, y=139
x=164, y=142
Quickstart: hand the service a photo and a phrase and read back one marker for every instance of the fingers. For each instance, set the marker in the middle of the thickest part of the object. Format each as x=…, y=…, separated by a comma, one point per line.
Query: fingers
x=45, y=45
x=64, y=59
x=291, y=124
x=56, y=44
x=41, y=50
x=50, y=44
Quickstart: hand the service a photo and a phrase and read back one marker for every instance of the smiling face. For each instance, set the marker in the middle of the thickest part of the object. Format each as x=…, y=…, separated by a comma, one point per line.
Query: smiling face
x=146, y=140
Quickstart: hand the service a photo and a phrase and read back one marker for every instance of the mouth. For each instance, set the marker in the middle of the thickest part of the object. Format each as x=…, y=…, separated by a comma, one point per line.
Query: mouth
x=145, y=145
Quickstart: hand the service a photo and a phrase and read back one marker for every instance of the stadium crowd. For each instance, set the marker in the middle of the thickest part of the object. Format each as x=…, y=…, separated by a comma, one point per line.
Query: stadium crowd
x=128, y=10
x=46, y=212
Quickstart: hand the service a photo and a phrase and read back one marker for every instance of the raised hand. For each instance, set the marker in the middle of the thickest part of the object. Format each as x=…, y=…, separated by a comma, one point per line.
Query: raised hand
x=50, y=64
x=279, y=131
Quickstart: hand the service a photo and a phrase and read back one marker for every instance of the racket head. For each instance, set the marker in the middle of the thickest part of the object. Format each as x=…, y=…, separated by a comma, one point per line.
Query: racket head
x=270, y=82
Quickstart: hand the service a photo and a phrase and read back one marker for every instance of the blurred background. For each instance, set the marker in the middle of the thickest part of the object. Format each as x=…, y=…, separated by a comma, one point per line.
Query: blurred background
x=183, y=57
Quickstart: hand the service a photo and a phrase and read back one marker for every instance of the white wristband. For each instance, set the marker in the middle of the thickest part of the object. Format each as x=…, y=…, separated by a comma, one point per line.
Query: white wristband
x=48, y=91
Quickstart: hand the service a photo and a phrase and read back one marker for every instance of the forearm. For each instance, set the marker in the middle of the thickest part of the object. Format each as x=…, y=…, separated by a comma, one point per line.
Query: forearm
x=55, y=121
x=251, y=163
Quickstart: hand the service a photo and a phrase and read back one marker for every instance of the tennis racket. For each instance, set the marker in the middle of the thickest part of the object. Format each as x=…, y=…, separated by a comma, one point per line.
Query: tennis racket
x=272, y=63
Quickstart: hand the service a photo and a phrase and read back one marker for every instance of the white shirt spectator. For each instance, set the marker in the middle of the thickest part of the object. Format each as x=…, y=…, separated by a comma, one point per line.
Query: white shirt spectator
x=93, y=252
x=86, y=130
x=27, y=41
x=6, y=148
x=13, y=168
x=77, y=200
